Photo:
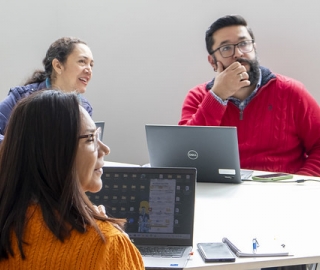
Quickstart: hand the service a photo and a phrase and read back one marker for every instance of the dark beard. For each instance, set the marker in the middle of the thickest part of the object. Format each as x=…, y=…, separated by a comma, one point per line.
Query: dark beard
x=254, y=71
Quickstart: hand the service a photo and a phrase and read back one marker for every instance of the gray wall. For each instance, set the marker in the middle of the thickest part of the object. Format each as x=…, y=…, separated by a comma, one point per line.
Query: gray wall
x=149, y=53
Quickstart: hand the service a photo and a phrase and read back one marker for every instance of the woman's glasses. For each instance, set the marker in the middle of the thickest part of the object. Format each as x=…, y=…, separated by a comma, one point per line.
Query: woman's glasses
x=95, y=137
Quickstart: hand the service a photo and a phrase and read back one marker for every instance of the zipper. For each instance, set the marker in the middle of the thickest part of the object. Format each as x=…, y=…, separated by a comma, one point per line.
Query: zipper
x=241, y=107
x=241, y=114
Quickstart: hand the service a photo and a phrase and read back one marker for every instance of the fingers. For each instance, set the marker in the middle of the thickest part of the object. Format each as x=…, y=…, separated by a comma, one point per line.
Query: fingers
x=243, y=79
x=235, y=65
x=219, y=67
x=96, y=208
x=243, y=76
x=240, y=72
x=237, y=68
x=244, y=83
x=235, y=72
x=230, y=80
x=100, y=209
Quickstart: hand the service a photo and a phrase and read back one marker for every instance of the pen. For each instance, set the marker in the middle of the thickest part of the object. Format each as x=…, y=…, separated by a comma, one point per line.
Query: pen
x=255, y=245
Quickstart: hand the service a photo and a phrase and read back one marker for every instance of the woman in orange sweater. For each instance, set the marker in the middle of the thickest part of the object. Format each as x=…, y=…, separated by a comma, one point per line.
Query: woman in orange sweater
x=46, y=219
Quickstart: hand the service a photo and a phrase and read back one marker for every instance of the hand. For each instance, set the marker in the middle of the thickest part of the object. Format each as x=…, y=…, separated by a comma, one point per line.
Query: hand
x=230, y=80
x=100, y=209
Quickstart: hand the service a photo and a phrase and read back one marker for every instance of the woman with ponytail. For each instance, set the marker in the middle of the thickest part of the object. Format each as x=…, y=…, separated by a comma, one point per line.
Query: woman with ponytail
x=67, y=67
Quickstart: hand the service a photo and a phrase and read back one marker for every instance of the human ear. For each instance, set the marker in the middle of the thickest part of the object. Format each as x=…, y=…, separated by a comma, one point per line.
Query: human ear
x=212, y=62
x=57, y=66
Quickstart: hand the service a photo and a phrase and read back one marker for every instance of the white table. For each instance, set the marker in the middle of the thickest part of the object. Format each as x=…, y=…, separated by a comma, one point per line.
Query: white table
x=289, y=211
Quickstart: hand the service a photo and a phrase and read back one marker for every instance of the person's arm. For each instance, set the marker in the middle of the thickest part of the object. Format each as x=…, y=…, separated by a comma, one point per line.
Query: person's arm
x=201, y=108
x=6, y=107
x=121, y=254
x=207, y=106
x=307, y=116
x=85, y=104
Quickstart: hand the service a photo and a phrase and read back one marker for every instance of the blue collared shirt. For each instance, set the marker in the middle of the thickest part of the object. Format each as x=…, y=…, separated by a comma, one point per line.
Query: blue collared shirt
x=48, y=83
x=48, y=86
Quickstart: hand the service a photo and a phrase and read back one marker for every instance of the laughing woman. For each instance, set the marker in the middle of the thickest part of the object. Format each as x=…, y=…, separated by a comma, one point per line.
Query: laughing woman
x=67, y=66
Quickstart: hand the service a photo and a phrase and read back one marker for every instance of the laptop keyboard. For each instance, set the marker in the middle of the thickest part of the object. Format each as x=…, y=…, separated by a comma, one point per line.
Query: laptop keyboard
x=171, y=252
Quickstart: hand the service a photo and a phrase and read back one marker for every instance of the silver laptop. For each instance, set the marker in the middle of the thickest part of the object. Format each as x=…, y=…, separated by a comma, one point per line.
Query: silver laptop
x=212, y=150
x=158, y=204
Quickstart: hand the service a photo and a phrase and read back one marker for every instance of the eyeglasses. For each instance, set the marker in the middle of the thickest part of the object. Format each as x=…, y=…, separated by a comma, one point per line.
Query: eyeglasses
x=94, y=137
x=226, y=51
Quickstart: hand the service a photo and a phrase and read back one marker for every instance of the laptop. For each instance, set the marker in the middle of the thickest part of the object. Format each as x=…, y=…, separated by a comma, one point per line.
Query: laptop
x=101, y=125
x=213, y=150
x=158, y=204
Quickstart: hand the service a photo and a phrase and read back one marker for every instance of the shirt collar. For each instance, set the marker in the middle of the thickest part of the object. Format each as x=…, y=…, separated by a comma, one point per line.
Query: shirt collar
x=48, y=83
x=236, y=100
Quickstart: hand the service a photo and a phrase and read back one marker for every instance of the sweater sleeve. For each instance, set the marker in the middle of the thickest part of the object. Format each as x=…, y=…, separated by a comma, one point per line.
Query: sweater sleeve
x=200, y=108
x=6, y=107
x=122, y=254
x=85, y=104
x=307, y=117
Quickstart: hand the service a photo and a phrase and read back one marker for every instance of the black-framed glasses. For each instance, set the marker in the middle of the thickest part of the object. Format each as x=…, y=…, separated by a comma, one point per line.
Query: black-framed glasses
x=228, y=50
x=94, y=137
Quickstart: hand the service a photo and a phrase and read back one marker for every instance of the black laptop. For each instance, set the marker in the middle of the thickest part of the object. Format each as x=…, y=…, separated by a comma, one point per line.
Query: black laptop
x=158, y=204
x=213, y=150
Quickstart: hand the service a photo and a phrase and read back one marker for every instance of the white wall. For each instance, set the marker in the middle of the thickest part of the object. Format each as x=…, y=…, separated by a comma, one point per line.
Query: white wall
x=149, y=53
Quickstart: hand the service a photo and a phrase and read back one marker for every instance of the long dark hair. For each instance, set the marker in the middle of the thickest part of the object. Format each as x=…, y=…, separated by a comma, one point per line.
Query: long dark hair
x=60, y=49
x=37, y=158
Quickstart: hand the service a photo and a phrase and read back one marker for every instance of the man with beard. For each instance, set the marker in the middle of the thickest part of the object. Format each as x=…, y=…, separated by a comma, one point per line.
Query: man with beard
x=277, y=120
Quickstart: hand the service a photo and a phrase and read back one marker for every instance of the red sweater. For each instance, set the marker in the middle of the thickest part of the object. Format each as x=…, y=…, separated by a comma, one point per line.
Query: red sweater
x=279, y=129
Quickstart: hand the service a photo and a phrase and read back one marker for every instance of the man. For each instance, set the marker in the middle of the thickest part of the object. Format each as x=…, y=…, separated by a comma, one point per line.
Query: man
x=277, y=120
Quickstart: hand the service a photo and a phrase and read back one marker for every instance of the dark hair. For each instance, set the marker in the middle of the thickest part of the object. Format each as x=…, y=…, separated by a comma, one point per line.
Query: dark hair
x=222, y=22
x=60, y=49
x=37, y=165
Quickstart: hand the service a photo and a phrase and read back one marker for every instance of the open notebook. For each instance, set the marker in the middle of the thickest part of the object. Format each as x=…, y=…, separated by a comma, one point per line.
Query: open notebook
x=257, y=248
x=158, y=204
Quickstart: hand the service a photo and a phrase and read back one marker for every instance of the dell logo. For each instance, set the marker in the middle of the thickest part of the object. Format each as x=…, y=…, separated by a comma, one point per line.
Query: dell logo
x=192, y=154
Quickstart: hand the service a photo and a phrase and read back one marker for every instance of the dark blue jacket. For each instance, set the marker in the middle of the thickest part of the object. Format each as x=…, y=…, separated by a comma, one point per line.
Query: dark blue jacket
x=19, y=92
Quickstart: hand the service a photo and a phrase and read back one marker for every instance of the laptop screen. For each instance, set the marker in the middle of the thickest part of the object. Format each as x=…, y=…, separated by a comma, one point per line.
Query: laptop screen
x=212, y=150
x=158, y=203
x=101, y=125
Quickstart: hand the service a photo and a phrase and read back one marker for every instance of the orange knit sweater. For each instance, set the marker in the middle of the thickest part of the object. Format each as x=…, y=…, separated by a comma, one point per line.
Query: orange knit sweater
x=81, y=251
